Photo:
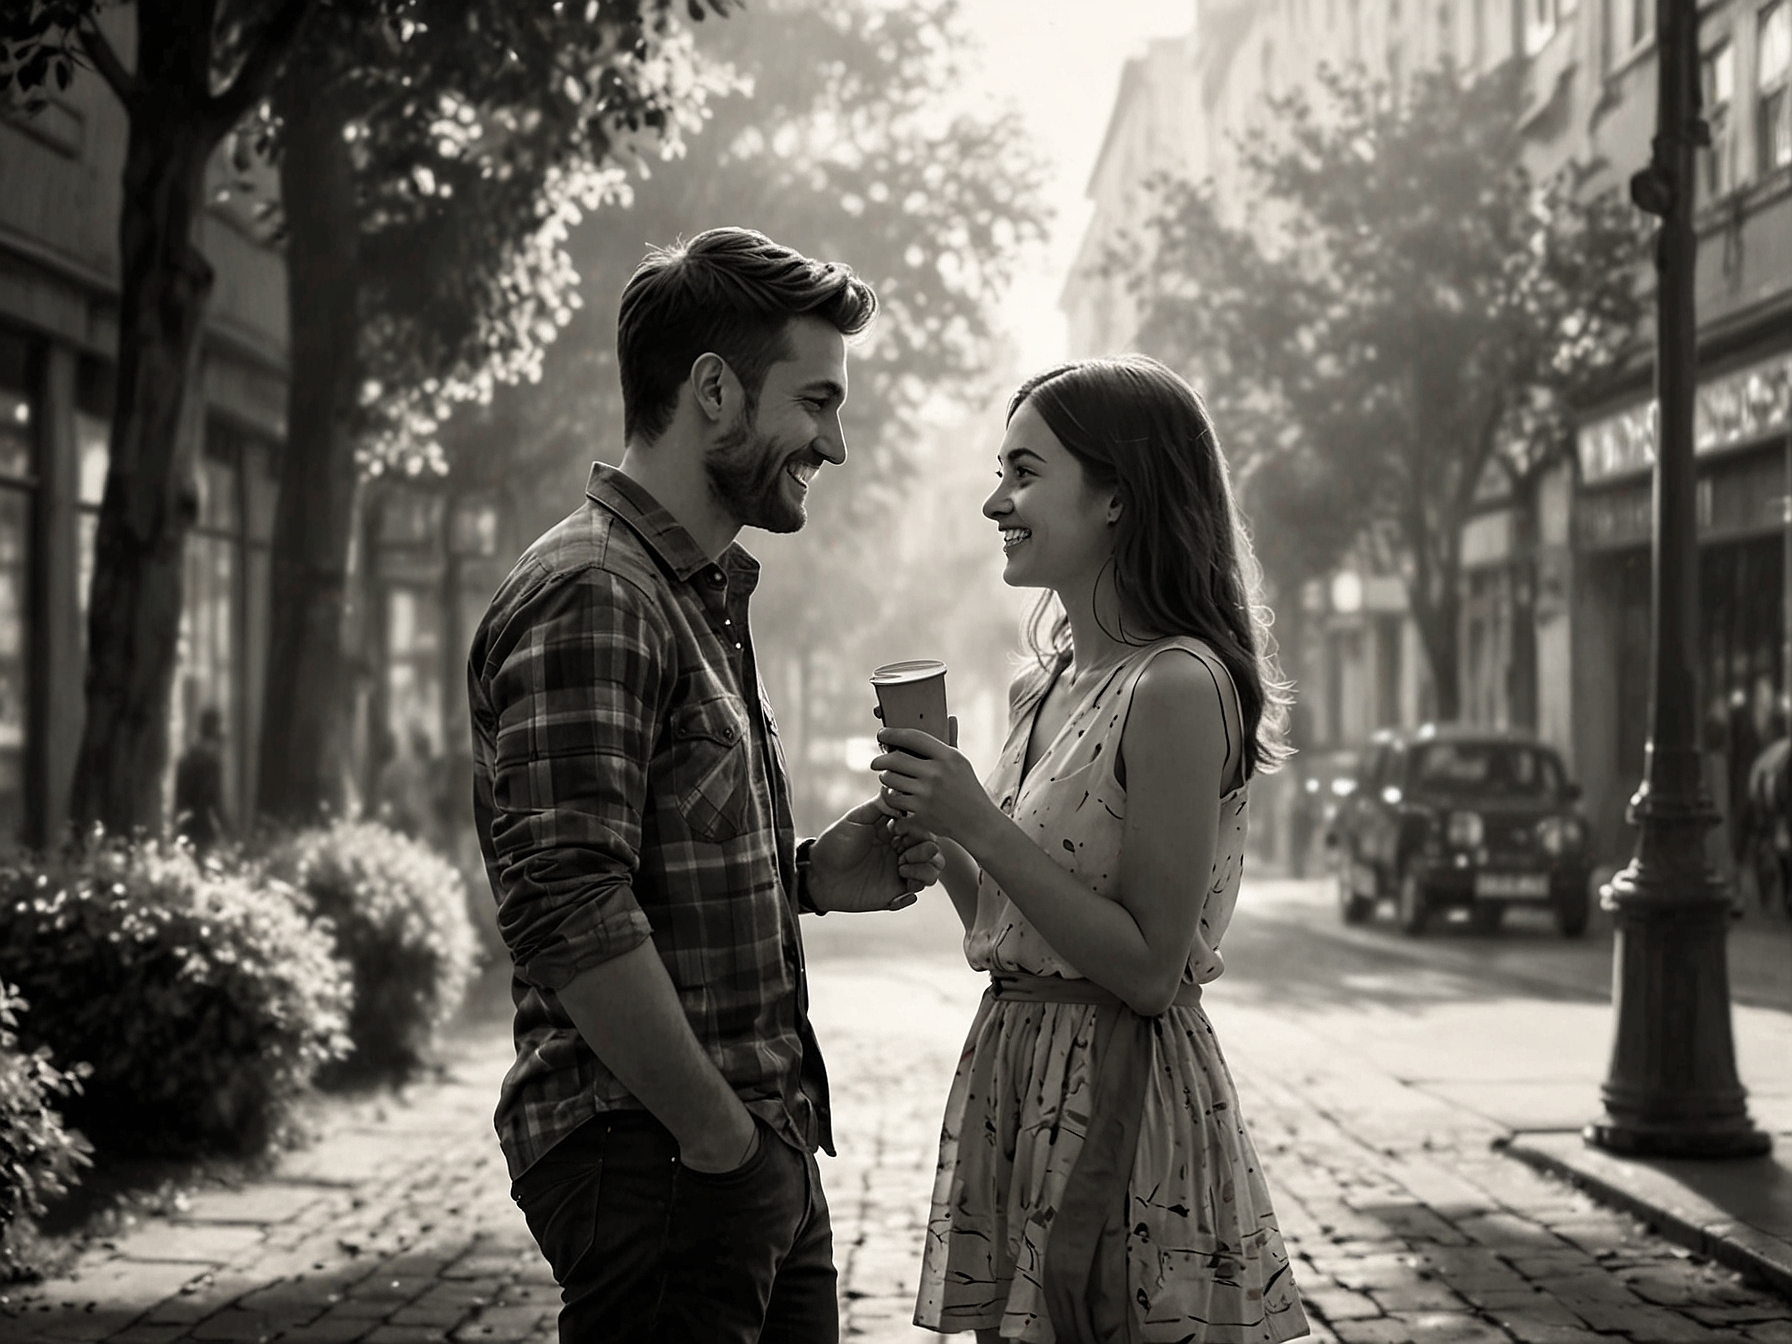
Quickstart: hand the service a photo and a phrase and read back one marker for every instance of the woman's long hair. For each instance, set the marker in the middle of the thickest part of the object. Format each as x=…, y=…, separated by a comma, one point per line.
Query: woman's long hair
x=1182, y=563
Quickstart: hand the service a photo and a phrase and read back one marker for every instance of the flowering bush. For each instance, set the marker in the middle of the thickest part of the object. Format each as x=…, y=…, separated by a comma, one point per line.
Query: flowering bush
x=38, y=1157
x=399, y=911
x=203, y=997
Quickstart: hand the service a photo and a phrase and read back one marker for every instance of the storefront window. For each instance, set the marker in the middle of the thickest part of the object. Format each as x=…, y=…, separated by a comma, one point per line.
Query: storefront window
x=93, y=431
x=18, y=434
x=414, y=665
x=207, y=671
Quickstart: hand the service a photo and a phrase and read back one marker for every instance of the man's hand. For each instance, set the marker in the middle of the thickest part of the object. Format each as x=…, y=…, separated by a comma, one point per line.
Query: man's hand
x=871, y=860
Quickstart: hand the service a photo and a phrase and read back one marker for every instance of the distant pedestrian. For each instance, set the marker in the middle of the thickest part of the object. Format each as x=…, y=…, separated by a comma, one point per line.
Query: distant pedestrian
x=668, y=1095
x=1096, y=1181
x=410, y=788
x=199, y=812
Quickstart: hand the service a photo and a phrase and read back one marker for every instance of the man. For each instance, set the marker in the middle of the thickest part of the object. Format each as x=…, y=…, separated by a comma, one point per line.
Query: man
x=634, y=815
x=199, y=785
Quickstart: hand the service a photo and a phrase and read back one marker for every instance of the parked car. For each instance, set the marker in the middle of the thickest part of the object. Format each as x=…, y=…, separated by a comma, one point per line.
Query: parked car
x=1448, y=817
x=1324, y=778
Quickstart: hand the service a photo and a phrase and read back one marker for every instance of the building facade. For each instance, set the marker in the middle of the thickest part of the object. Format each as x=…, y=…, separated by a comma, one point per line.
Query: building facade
x=1555, y=598
x=426, y=558
x=59, y=276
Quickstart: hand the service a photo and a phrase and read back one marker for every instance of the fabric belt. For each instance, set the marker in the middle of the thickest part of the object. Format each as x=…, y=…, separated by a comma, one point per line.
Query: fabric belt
x=1084, y=1275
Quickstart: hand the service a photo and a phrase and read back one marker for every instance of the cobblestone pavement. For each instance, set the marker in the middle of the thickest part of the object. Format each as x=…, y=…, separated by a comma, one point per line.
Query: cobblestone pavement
x=1404, y=1220
x=396, y=1228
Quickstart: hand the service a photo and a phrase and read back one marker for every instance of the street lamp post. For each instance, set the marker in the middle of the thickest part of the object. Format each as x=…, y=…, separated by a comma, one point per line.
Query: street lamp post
x=1672, y=1088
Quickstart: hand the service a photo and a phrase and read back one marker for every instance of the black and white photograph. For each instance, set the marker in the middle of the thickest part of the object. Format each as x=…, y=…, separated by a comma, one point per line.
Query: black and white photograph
x=861, y=671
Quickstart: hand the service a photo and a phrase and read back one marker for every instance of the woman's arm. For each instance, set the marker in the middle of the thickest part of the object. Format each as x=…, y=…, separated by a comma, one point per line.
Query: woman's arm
x=960, y=881
x=1174, y=749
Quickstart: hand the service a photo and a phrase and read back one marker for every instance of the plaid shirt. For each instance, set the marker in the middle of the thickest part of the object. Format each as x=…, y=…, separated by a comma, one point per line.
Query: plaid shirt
x=628, y=784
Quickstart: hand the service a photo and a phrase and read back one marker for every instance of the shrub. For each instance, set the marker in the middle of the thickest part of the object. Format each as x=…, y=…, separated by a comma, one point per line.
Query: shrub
x=204, y=998
x=38, y=1157
x=399, y=911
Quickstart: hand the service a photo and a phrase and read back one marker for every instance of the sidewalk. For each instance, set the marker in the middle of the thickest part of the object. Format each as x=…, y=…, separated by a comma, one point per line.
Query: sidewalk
x=1738, y=1213
x=396, y=1227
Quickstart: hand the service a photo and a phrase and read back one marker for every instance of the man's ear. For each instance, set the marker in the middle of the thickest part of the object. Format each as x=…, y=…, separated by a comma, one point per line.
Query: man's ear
x=715, y=388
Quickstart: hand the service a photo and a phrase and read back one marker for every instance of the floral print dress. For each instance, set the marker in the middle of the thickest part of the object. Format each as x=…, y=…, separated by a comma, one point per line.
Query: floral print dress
x=1205, y=1259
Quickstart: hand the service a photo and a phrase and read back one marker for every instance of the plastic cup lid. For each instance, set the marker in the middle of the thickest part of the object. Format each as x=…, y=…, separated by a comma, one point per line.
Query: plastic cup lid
x=913, y=669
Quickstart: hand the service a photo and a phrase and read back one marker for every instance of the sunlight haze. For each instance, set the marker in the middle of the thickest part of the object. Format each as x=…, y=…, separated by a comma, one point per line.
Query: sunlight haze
x=1058, y=62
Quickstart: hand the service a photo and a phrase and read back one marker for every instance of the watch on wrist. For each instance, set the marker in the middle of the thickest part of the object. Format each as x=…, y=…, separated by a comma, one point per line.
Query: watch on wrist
x=805, y=894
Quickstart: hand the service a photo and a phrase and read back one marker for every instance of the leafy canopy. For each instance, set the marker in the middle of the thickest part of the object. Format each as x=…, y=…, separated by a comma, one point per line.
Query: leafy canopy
x=1420, y=307
x=1395, y=308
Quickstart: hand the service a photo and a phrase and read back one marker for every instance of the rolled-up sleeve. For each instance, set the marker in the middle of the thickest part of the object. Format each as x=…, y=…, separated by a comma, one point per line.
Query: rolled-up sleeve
x=566, y=698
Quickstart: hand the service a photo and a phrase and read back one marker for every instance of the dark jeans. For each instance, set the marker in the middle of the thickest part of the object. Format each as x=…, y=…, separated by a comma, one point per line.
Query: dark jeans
x=647, y=1251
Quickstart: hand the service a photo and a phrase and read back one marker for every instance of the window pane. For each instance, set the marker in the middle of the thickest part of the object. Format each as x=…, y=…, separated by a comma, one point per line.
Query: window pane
x=1773, y=45
x=262, y=488
x=216, y=479
x=414, y=664
x=1719, y=72
x=92, y=437
x=1773, y=135
x=15, y=550
x=87, y=525
x=205, y=678
x=1720, y=76
x=16, y=433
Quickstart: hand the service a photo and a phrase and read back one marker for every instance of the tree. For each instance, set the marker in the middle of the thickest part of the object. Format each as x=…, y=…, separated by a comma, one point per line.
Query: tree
x=1420, y=312
x=837, y=142
x=200, y=66
x=516, y=104
x=429, y=171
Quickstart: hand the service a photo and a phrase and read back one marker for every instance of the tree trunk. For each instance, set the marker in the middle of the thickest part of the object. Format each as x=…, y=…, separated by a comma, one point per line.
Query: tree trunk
x=1437, y=609
x=134, y=606
x=305, y=725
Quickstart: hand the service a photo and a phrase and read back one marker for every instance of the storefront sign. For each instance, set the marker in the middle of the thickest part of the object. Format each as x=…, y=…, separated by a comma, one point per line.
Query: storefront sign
x=1730, y=412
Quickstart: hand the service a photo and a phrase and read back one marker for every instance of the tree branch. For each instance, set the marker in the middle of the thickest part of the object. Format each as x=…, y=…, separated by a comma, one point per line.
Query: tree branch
x=256, y=76
x=105, y=60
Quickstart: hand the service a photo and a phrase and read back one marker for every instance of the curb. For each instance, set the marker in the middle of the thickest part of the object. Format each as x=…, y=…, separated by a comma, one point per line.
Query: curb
x=1674, y=1210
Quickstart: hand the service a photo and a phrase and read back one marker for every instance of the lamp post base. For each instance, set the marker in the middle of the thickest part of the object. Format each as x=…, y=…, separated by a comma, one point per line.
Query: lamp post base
x=1629, y=1140
x=1672, y=1090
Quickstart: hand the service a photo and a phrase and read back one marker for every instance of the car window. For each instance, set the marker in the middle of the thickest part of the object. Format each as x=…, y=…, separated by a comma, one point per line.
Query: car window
x=1486, y=770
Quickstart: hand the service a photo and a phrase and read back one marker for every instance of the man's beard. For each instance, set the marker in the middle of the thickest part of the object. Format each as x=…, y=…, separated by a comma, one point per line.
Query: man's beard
x=746, y=477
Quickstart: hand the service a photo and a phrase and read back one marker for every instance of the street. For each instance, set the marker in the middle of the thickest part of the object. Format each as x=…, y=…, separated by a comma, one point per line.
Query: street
x=1377, y=1072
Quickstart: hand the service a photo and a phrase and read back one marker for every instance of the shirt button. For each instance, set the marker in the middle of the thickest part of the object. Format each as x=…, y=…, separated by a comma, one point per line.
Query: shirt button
x=737, y=644
x=728, y=733
x=727, y=620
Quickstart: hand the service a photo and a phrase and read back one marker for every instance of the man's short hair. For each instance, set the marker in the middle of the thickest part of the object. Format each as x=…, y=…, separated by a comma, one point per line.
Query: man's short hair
x=729, y=292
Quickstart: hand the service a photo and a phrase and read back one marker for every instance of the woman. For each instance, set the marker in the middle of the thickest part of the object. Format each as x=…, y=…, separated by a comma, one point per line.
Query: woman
x=1095, y=1178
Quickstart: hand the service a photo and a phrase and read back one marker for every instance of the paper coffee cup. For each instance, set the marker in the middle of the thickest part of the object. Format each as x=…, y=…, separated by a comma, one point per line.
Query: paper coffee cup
x=912, y=694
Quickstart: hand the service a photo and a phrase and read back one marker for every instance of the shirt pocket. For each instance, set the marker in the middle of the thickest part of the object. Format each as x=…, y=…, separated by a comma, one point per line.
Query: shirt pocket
x=709, y=767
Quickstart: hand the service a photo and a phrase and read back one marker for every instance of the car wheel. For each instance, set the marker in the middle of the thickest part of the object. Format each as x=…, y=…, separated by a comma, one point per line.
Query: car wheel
x=1487, y=917
x=1415, y=905
x=1354, y=909
x=1572, y=911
